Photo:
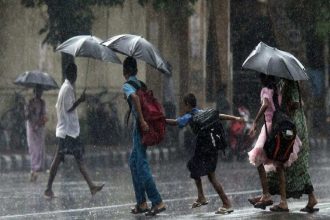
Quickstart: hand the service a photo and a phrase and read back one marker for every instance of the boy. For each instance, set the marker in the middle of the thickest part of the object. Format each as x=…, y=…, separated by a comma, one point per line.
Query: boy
x=202, y=163
x=67, y=131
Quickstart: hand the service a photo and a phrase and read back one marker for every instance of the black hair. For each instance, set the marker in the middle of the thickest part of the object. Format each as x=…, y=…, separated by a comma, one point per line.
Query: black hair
x=130, y=65
x=71, y=71
x=190, y=99
x=270, y=82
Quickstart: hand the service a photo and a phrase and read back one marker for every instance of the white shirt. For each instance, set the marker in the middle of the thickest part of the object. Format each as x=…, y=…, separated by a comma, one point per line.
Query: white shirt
x=67, y=122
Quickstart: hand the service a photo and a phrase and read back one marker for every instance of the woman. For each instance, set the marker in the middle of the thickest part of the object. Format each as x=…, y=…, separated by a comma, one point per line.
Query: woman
x=35, y=128
x=298, y=180
x=257, y=155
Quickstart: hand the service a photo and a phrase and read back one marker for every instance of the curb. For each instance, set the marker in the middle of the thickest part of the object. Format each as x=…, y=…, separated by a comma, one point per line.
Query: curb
x=104, y=159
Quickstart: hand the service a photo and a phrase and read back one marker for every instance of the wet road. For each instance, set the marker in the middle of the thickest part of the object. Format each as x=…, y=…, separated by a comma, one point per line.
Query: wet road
x=20, y=199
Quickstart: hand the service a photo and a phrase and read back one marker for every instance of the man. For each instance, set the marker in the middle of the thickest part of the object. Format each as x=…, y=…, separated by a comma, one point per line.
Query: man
x=67, y=131
x=143, y=182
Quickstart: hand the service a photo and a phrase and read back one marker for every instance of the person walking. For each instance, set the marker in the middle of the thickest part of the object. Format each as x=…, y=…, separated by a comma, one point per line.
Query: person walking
x=67, y=131
x=143, y=181
x=203, y=163
x=35, y=113
x=298, y=180
x=257, y=155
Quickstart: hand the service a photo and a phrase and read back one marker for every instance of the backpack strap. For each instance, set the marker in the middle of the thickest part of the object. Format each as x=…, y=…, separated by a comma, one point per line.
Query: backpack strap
x=137, y=87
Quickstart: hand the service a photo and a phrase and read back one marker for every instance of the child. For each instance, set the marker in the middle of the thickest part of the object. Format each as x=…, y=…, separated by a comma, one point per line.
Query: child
x=202, y=163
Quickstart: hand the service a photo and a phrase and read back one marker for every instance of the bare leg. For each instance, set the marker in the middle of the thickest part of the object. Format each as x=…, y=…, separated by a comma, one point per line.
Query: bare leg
x=201, y=197
x=312, y=201
x=92, y=187
x=218, y=188
x=52, y=173
x=282, y=185
x=264, y=184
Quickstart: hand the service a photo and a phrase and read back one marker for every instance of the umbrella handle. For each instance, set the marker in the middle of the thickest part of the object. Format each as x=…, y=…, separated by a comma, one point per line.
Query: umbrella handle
x=86, y=73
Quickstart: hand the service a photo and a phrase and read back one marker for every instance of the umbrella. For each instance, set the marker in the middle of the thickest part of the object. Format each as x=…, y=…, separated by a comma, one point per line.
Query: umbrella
x=88, y=46
x=272, y=61
x=33, y=78
x=139, y=48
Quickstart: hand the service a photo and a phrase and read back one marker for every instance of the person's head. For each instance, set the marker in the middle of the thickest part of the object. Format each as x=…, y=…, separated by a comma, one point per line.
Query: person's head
x=71, y=72
x=189, y=101
x=267, y=80
x=38, y=91
x=129, y=67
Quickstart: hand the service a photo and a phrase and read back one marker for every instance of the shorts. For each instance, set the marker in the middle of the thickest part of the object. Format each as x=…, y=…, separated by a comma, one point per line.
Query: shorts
x=72, y=146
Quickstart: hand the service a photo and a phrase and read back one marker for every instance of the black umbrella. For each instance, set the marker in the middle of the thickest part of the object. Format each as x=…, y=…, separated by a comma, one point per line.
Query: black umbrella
x=88, y=46
x=139, y=48
x=31, y=79
x=272, y=61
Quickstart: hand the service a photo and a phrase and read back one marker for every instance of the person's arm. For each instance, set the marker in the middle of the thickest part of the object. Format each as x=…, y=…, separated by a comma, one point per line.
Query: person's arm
x=172, y=122
x=230, y=117
x=81, y=99
x=136, y=102
x=264, y=106
x=28, y=111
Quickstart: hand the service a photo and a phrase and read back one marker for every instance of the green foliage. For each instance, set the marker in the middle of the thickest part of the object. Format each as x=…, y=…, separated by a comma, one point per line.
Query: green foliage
x=67, y=18
x=185, y=7
x=311, y=15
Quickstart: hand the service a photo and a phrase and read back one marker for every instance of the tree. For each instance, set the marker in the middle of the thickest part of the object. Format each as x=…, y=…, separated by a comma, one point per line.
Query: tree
x=67, y=18
x=176, y=14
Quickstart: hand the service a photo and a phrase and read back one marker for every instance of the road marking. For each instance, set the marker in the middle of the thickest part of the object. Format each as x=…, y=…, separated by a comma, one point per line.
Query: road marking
x=117, y=206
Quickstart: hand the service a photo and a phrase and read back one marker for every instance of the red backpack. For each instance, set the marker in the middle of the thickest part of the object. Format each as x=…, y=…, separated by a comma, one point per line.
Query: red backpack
x=153, y=114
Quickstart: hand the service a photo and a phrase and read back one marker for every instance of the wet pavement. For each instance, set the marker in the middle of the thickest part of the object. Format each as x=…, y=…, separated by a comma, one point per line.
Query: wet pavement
x=20, y=199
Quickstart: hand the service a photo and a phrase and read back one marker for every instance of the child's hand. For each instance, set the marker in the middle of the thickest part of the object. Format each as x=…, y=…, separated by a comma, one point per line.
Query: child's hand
x=144, y=126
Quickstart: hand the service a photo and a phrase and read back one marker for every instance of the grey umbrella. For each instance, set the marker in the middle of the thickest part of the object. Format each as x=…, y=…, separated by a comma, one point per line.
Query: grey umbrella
x=139, y=48
x=272, y=61
x=33, y=78
x=88, y=46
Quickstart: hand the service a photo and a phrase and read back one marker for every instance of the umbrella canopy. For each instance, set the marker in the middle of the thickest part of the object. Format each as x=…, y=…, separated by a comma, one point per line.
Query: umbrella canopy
x=88, y=46
x=33, y=78
x=139, y=48
x=272, y=61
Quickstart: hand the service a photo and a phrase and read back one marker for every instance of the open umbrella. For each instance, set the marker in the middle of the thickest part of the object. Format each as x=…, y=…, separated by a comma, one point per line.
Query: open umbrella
x=272, y=61
x=139, y=48
x=33, y=78
x=88, y=46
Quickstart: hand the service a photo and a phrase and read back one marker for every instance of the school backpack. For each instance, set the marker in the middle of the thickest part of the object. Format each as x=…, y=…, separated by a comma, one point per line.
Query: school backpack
x=153, y=114
x=207, y=126
x=280, y=140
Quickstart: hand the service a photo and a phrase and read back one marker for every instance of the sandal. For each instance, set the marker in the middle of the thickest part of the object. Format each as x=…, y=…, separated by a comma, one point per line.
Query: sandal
x=309, y=209
x=154, y=211
x=224, y=211
x=138, y=210
x=277, y=208
x=263, y=204
x=254, y=200
x=197, y=204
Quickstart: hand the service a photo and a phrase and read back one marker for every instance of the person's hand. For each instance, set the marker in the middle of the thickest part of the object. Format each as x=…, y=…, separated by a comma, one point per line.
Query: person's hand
x=240, y=119
x=82, y=97
x=253, y=129
x=144, y=126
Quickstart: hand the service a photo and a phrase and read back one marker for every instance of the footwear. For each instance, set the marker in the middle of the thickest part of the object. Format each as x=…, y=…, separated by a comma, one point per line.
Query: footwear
x=224, y=211
x=33, y=176
x=263, y=204
x=254, y=200
x=48, y=194
x=154, y=211
x=199, y=204
x=95, y=189
x=138, y=210
x=309, y=209
x=277, y=208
